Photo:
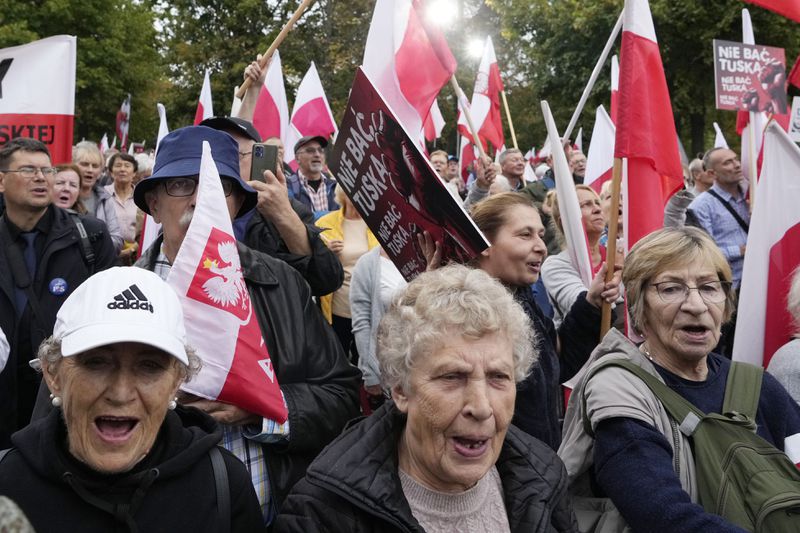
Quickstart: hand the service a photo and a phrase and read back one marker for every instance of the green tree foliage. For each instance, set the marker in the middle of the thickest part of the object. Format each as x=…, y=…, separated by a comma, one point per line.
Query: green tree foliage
x=558, y=43
x=117, y=55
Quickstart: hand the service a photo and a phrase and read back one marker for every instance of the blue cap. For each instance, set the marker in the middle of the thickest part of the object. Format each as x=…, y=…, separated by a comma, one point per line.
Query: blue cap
x=179, y=154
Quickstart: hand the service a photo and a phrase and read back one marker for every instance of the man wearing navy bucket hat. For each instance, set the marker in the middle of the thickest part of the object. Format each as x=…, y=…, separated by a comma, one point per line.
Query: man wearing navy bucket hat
x=319, y=385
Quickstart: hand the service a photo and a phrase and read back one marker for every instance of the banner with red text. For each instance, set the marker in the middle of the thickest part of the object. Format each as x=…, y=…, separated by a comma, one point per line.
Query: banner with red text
x=394, y=187
x=37, y=94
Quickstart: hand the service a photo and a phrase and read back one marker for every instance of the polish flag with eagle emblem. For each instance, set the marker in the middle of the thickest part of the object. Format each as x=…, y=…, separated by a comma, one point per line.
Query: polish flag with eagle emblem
x=220, y=321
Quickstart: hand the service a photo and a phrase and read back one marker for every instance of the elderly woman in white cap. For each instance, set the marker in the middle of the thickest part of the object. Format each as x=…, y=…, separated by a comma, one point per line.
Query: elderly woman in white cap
x=442, y=455
x=117, y=454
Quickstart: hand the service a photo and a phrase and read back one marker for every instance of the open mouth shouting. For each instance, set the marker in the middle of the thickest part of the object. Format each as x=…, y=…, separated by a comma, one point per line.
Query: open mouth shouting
x=115, y=429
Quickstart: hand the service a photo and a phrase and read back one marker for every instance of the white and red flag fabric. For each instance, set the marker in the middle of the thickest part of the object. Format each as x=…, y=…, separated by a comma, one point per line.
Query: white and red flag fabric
x=645, y=134
x=104, y=144
x=719, y=138
x=220, y=320
x=750, y=125
x=787, y=8
x=407, y=60
x=579, y=139
x=466, y=156
x=773, y=253
x=205, y=108
x=311, y=114
x=123, y=123
x=614, y=88
x=271, y=114
x=600, y=159
x=485, y=105
x=151, y=228
x=434, y=123
x=37, y=94
x=568, y=204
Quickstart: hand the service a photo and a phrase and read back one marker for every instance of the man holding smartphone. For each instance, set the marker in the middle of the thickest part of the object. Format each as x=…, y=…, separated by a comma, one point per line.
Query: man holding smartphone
x=280, y=226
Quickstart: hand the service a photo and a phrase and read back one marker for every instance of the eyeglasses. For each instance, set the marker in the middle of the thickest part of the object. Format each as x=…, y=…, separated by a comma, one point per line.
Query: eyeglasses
x=181, y=187
x=311, y=151
x=242, y=155
x=30, y=172
x=712, y=292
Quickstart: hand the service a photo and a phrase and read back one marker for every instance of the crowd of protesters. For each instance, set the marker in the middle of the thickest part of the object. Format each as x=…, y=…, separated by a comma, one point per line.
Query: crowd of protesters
x=457, y=376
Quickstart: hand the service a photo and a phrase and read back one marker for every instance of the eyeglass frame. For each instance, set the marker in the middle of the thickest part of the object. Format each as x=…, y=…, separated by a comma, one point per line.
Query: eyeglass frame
x=311, y=150
x=196, y=181
x=47, y=172
x=725, y=287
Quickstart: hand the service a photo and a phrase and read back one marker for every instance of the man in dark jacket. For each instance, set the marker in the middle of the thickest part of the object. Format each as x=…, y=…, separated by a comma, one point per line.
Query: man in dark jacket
x=319, y=386
x=280, y=226
x=365, y=490
x=43, y=258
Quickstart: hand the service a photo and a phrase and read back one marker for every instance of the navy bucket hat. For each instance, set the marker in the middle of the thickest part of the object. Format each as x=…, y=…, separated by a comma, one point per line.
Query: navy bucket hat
x=179, y=154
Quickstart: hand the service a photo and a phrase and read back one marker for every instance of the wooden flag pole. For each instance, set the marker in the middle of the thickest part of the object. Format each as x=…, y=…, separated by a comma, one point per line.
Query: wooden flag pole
x=276, y=43
x=593, y=78
x=510, y=123
x=465, y=108
x=611, y=246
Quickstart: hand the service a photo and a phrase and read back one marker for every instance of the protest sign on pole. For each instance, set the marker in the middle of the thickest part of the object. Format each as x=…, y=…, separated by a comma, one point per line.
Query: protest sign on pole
x=750, y=77
x=37, y=94
x=380, y=167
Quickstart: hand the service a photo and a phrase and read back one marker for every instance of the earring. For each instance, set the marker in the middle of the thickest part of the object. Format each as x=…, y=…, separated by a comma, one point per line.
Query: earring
x=56, y=401
x=172, y=404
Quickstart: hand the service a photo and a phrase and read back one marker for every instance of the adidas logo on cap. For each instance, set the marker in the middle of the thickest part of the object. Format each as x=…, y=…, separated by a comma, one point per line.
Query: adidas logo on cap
x=131, y=298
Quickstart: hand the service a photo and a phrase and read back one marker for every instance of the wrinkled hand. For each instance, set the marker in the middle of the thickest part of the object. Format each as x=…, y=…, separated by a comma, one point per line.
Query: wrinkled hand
x=484, y=172
x=335, y=245
x=431, y=250
x=273, y=196
x=601, y=291
x=256, y=74
x=224, y=413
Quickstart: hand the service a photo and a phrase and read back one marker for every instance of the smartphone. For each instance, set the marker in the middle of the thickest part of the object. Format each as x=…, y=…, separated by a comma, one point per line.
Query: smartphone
x=265, y=157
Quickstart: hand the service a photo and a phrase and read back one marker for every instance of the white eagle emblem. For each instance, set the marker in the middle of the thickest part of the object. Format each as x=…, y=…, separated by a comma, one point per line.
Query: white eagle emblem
x=227, y=288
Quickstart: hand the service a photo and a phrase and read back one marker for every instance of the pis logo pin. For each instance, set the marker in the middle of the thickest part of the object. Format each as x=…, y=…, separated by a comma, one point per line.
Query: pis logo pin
x=58, y=286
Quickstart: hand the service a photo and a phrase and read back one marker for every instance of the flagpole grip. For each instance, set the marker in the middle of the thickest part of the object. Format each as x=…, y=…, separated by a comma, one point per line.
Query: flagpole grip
x=461, y=97
x=593, y=78
x=508, y=117
x=611, y=246
x=275, y=44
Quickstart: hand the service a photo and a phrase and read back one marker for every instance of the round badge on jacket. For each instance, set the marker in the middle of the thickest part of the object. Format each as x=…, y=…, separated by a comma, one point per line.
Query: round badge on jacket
x=58, y=286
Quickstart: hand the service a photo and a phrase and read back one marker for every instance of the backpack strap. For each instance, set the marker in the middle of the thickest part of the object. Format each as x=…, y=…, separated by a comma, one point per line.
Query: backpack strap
x=743, y=390
x=3, y=453
x=221, y=484
x=86, y=246
x=686, y=414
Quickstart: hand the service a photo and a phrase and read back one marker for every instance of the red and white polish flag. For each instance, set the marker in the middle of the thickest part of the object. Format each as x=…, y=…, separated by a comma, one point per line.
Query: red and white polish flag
x=719, y=138
x=123, y=123
x=645, y=134
x=311, y=114
x=220, y=320
x=434, y=123
x=614, y=88
x=600, y=159
x=407, y=60
x=773, y=253
x=271, y=114
x=37, y=94
x=568, y=204
x=485, y=105
x=205, y=108
x=788, y=8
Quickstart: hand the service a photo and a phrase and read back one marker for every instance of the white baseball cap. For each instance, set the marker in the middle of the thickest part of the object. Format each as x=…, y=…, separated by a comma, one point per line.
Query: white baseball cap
x=122, y=304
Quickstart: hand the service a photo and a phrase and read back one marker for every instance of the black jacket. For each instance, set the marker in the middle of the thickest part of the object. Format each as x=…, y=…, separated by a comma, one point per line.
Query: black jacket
x=61, y=257
x=354, y=486
x=540, y=403
x=318, y=382
x=322, y=269
x=171, y=489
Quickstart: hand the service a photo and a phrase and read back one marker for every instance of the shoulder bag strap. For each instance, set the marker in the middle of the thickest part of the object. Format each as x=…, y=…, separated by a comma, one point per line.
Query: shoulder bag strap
x=678, y=408
x=743, y=390
x=3, y=453
x=86, y=245
x=745, y=226
x=222, y=487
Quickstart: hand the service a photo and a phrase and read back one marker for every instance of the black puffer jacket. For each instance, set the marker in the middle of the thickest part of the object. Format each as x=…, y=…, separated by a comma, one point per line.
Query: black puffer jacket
x=319, y=384
x=171, y=489
x=354, y=486
x=62, y=257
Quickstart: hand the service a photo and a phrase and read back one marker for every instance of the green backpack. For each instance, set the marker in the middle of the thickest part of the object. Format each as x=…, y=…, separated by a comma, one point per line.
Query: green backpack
x=740, y=476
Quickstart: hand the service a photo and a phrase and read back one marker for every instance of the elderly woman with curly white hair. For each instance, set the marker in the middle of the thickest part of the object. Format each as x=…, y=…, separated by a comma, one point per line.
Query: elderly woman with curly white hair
x=442, y=455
